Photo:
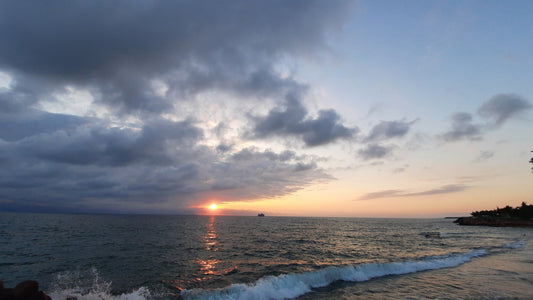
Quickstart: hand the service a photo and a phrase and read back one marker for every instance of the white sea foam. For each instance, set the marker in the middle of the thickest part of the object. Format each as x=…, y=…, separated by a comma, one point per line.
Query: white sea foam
x=293, y=285
x=515, y=245
x=139, y=294
x=89, y=285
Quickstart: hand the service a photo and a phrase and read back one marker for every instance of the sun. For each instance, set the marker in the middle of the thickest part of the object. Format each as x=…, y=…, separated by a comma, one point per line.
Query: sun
x=213, y=206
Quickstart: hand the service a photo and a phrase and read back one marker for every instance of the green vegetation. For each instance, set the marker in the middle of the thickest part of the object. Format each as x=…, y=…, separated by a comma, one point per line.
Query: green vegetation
x=523, y=212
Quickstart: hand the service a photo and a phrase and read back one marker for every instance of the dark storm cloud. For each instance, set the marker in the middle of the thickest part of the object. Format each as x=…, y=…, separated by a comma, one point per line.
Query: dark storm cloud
x=389, y=129
x=24, y=92
x=92, y=166
x=375, y=151
x=118, y=47
x=14, y=127
x=293, y=120
x=446, y=189
x=462, y=128
x=502, y=107
x=121, y=52
x=112, y=146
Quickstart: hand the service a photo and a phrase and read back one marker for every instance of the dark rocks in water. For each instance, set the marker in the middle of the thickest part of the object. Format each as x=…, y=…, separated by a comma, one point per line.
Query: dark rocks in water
x=431, y=235
x=495, y=222
x=26, y=290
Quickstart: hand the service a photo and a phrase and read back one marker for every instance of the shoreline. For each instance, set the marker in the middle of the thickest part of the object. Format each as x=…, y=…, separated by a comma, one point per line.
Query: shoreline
x=493, y=222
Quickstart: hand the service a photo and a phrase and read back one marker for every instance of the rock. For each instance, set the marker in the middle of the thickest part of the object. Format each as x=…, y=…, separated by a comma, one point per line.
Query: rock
x=26, y=290
x=429, y=235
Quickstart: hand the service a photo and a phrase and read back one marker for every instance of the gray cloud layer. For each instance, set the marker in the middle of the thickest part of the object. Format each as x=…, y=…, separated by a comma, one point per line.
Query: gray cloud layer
x=389, y=129
x=294, y=121
x=69, y=167
x=116, y=50
x=375, y=151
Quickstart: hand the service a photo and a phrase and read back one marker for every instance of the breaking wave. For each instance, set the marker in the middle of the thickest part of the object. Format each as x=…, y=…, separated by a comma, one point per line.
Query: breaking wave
x=294, y=285
x=515, y=245
x=88, y=285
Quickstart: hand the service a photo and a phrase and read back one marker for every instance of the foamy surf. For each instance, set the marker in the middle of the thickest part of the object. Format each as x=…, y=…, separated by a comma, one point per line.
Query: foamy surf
x=88, y=285
x=515, y=245
x=140, y=294
x=284, y=286
x=294, y=285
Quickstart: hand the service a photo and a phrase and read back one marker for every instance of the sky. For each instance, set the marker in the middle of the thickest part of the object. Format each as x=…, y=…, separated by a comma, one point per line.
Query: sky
x=289, y=108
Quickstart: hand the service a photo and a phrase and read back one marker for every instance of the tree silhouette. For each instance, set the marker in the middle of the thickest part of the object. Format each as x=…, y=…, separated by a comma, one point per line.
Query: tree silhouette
x=523, y=212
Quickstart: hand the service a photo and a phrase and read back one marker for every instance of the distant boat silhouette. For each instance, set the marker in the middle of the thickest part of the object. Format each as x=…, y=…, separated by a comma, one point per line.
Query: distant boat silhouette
x=261, y=215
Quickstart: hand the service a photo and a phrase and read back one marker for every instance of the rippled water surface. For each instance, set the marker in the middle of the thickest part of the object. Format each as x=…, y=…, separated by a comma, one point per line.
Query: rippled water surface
x=251, y=258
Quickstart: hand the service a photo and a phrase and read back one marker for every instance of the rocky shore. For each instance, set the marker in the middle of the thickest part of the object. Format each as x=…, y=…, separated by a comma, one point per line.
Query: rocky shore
x=496, y=222
x=26, y=290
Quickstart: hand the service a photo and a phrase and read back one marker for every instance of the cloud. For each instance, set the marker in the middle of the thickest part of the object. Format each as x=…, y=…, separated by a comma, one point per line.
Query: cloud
x=294, y=121
x=383, y=131
x=160, y=164
x=380, y=194
x=446, y=189
x=497, y=110
x=118, y=48
x=462, y=129
x=157, y=143
x=484, y=155
x=389, y=129
x=15, y=127
x=502, y=107
x=249, y=172
x=400, y=169
x=142, y=63
x=375, y=151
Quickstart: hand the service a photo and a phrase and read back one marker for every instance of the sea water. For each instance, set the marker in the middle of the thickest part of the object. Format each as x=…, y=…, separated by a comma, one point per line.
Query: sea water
x=224, y=257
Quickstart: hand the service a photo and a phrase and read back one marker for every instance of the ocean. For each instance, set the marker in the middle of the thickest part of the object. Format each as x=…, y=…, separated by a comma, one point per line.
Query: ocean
x=226, y=257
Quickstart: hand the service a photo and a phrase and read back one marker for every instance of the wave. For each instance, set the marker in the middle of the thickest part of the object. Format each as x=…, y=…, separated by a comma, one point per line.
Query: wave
x=515, y=245
x=88, y=285
x=294, y=285
x=438, y=234
x=139, y=294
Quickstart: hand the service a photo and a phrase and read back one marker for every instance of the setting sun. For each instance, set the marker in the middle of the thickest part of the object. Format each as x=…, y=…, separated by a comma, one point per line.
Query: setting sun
x=213, y=206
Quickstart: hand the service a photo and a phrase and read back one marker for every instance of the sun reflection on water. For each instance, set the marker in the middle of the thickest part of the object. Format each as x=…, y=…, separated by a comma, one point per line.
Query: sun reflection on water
x=208, y=266
x=210, y=239
x=207, y=259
